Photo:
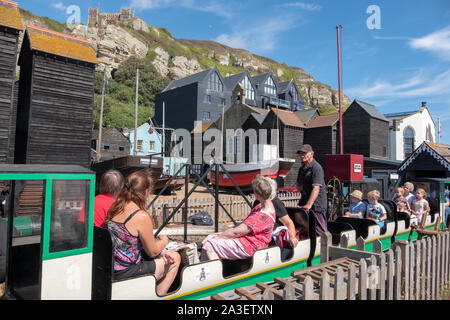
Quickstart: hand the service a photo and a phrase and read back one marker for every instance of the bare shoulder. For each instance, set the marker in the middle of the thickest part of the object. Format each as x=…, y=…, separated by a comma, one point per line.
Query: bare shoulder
x=142, y=216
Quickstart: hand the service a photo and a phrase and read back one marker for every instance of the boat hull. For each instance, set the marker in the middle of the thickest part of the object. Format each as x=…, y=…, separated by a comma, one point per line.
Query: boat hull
x=244, y=174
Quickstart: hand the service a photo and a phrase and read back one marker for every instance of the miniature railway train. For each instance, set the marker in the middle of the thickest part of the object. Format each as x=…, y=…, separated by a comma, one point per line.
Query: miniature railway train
x=57, y=253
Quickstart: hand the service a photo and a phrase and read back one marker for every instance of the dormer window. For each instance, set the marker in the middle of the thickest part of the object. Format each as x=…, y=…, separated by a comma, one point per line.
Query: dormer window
x=214, y=82
x=249, y=92
x=294, y=93
x=269, y=87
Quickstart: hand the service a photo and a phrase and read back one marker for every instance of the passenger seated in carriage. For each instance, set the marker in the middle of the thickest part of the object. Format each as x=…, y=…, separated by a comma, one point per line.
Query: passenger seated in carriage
x=131, y=228
x=284, y=228
x=357, y=208
x=400, y=201
x=375, y=210
x=420, y=205
x=254, y=233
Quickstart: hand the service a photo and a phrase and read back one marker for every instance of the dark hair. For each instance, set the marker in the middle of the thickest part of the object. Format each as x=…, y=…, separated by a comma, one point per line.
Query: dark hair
x=136, y=185
x=111, y=182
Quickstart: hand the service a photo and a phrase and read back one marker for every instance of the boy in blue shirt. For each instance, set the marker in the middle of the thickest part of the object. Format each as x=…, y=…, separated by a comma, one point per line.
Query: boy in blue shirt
x=357, y=208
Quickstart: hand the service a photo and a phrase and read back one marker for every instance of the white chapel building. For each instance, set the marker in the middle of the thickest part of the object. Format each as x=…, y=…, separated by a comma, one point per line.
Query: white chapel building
x=407, y=131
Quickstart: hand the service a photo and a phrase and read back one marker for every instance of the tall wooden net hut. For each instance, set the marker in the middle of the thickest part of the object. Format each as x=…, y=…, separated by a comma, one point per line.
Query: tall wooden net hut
x=56, y=99
x=10, y=28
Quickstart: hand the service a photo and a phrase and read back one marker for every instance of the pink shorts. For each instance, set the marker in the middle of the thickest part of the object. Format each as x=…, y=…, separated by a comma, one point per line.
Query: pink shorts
x=230, y=249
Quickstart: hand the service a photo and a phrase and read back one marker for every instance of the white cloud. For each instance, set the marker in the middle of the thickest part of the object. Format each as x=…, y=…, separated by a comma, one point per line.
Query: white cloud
x=149, y=4
x=59, y=6
x=419, y=85
x=437, y=42
x=260, y=36
x=303, y=6
x=218, y=8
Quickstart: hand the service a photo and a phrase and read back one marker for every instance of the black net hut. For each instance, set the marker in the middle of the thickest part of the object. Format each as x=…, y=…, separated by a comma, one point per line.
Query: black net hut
x=56, y=99
x=10, y=28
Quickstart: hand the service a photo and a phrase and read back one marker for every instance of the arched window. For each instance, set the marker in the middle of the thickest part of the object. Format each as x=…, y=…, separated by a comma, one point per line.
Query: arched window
x=214, y=82
x=249, y=92
x=269, y=87
x=408, y=141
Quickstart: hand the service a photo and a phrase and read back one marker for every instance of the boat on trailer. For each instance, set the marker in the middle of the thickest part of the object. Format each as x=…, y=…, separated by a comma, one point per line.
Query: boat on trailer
x=68, y=258
x=244, y=173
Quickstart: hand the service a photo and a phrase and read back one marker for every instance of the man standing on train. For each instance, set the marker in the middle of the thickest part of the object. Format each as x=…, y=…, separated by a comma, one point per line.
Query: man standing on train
x=311, y=184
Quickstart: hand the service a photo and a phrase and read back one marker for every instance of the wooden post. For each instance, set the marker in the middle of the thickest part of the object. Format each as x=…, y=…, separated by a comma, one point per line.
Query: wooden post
x=136, y=111
x=325, y=286
x=308, y=289
x=423, y=280
x=377, y=246
x=404, y=247
x=325, y=244
x=433, y=268
x=362, y=279
x=438, y=264
x=267, y=295
x=418, y=247
x=339, y=289
x=288, y=292
x=351, y=283
x=360, y=245
x=412, y=259
x=390, y=272
x=373, y=278
x=398, y=274
x=382, y=278
x=428, y=270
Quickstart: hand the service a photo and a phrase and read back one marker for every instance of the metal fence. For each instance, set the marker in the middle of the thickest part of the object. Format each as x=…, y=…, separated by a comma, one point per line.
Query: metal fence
x=235, y=205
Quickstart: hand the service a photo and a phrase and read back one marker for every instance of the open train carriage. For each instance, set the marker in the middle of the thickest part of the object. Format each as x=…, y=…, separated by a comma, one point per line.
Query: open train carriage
x=199, y=279
x=48, y=220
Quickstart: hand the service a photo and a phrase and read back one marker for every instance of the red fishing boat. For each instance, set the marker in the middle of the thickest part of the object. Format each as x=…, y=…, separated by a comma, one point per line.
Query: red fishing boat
x=244, y=173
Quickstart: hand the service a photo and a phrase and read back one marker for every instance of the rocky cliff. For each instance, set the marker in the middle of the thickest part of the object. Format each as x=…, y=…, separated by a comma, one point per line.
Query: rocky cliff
x=178, y=58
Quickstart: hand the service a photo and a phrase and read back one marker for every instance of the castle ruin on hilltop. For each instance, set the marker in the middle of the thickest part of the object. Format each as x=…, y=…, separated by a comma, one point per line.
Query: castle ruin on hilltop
x=98, y=19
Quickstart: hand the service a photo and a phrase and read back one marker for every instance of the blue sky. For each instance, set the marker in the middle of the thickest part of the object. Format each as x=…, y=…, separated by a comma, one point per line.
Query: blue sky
x=400, y=61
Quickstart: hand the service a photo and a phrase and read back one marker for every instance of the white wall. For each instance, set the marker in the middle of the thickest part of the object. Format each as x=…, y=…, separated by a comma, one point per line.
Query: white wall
x=419, y=122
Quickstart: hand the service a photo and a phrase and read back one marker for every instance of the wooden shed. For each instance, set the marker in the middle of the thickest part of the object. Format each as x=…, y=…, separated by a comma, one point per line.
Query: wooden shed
x=291, y=135
x=365, y=130
x=10, y=28
x=321, y=134
x=56, y=99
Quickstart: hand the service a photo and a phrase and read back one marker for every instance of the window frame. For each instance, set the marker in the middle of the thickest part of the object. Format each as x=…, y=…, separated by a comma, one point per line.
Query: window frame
x=45, y=229
x=409, y=144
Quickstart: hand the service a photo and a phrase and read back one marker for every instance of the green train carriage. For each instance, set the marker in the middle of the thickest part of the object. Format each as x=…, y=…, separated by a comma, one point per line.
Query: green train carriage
x=57, y=253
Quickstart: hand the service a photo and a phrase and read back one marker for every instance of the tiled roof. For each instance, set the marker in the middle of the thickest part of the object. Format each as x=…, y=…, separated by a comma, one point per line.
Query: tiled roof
x=261, y=111
x=288, y=118
x=10, y=15
x=189, y=80
x=371, y=110
x=306, y=115
x=442, y=149
x=440, y=152
x=60, y=44
x=204, y=126
x=323, y=121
